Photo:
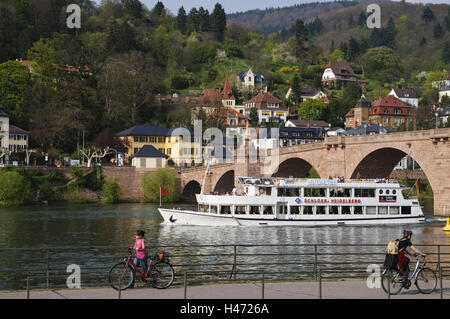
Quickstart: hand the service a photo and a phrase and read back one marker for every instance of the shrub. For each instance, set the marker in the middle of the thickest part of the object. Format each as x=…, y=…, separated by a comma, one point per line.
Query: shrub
x=111, y=190
x=162, y=178
x=14, y=188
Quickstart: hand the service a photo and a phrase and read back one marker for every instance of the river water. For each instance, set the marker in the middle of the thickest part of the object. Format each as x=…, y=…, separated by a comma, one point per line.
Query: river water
x=95, y=237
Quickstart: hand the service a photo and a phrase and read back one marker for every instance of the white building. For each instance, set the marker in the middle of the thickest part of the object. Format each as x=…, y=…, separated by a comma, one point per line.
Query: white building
x=444, y=91
x=406, y=95
x=149, y=157
x=251, y=80
x=270, y=109
x=4, y=129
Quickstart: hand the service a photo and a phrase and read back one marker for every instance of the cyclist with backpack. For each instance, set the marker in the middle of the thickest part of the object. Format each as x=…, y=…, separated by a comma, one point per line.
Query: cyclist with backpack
x=403, y=261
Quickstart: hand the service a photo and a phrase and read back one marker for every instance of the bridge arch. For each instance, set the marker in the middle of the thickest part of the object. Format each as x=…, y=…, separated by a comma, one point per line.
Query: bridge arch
x=225, y=183
x=294, y=166
x=380, y=162
x=191, y=188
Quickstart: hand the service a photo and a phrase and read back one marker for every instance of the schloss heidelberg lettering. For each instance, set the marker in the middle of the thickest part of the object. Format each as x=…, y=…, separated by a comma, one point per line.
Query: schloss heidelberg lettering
x=340, y=200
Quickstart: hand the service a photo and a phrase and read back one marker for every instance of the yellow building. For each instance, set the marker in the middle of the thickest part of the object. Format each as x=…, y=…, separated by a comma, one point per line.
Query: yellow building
x=180, y=151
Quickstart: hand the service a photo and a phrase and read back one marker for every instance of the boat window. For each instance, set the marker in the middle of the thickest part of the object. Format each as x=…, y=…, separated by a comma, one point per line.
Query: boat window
x=254, y=210
x=381, y=191
x=292, y=192
x=225, y=210
x=394, y=192
x=382, y=210
x=239, y=210
x=318, y=192
x=268, y=191
x=346, y=210
x=281, y=192
x=213, y=209
x=340, y=192
x=268, y=210
x=358, y=210
x=394, y=210
x=387, y=191
x=406, y=210
x=282, y=209
x=295, y=210
x=203, y=208
x=320, y=210
x=371, y=210
x=308, y=192
x=364, y=192
x=333, y=210
x=307, y=210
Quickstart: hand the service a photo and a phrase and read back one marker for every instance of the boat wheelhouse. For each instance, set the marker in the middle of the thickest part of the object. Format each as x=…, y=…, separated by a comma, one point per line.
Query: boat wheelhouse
x=301, y=201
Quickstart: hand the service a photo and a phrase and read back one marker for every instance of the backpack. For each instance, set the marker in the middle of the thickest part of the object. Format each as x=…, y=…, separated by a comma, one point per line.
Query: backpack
x=391, y=258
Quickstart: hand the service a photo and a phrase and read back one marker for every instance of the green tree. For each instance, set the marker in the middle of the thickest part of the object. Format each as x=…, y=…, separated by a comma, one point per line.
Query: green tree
x=311, y=109
x=181, y=20
x=437, y=31
x=446, y=52
x=337, y=55
x=428, y=15
x=254, y=118
x=296, y=90
x=152, y=182
x=15, y=189
x=301, y=37
x=218, y=22
x=380, y=62
x=111, y=191
x=362, y=19
x=15, y=80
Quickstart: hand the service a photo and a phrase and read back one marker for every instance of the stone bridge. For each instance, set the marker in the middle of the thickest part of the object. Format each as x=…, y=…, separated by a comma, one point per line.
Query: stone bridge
x=369, y=156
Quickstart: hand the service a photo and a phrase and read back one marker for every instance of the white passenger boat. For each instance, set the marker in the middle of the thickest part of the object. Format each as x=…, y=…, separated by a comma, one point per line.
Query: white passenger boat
x=275, y=201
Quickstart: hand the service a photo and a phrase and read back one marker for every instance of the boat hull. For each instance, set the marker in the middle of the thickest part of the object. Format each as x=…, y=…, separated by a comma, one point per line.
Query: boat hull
x=189, y=217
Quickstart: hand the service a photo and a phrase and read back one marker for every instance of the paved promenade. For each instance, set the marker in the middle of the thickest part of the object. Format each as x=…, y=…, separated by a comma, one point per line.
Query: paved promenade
x=350, y=289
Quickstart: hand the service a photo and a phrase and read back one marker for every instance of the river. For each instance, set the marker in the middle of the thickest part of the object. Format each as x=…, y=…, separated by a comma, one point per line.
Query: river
x=87, y=233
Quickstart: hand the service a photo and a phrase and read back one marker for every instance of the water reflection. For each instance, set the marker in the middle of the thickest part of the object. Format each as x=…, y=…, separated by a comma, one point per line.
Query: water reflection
x=95, y=237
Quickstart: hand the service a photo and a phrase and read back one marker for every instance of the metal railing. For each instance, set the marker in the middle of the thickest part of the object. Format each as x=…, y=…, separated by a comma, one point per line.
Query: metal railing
x=46, y=268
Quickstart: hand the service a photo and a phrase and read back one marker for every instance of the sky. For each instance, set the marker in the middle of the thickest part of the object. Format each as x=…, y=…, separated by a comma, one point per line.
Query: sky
x=231, y=6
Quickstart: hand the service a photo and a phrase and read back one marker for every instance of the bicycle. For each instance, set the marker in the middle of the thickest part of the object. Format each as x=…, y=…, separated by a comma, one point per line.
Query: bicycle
x=159, y=273
x=424, y=278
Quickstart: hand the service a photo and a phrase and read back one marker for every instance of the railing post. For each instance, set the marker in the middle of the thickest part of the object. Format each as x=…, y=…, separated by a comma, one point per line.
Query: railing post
x=47, y=271
x=320, y=283
x=234, y=262
x=315, y=261
x=28, y=287
x=262, y=279
x=120, y=286
x=440, y=282
x=439, y=255
x=185, y=284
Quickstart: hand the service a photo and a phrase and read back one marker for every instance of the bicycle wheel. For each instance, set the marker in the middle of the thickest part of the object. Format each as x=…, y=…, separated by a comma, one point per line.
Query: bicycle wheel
x=123, y=274
x=162, y=275
x=426, y=281
x=391, y=277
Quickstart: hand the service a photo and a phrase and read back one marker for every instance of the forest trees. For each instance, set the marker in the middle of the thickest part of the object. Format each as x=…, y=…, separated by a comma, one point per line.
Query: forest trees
x=218, y=22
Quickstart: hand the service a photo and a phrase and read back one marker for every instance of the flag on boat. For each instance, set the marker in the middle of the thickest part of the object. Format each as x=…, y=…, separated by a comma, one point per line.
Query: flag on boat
x=417, y=187
x=164, y=191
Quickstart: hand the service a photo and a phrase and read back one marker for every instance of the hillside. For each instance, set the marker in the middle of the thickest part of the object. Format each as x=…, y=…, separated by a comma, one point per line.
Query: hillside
x=274, y=19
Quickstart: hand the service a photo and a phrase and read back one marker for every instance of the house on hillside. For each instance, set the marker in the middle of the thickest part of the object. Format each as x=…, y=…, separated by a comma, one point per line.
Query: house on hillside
x=392, y=113
x=359, y=114
x=309, y=93
x=250, y=80
x=406, y=95
x=181, y=151
x=444, y=91
x=307, y=124
x=270, y=109
x=12, y=138
x=337, y=74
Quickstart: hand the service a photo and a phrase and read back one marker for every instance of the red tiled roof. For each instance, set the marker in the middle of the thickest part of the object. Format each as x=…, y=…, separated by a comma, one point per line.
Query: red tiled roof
x=226, y=112
x=390, y=105
x=262, y=100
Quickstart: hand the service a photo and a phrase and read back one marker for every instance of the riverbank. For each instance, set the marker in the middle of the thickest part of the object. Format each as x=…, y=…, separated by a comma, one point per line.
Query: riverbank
x=347, y=289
